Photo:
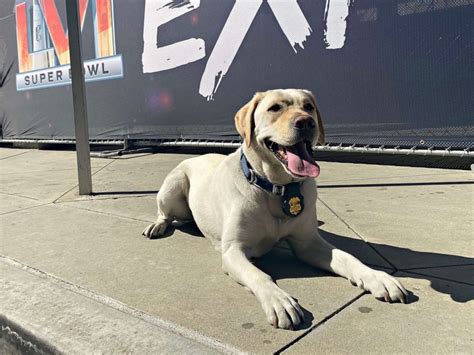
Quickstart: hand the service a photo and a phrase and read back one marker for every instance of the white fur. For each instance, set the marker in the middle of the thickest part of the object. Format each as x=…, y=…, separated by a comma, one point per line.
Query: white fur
x=243, y=221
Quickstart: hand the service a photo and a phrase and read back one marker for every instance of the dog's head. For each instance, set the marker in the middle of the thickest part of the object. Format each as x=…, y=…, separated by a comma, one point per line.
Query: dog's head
x=281, y=126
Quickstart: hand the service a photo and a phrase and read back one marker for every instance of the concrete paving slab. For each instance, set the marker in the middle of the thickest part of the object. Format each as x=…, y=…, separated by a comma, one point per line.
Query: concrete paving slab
x=341, y=236
x=6, y=153
x=177, y=278
x=44, y=186
x=136, y=207
x=463, y=273
x=41, y=175
x=42, y=160
x=144, y=208
x=431, y=324
x=11, y=203
x=61, y=320
x=94, y=242
x=117, y=200
x=137, y=176
x=412, y=226
x=343, y=173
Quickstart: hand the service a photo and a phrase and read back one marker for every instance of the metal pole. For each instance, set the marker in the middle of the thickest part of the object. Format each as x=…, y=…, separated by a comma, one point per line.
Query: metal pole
x=79, y=99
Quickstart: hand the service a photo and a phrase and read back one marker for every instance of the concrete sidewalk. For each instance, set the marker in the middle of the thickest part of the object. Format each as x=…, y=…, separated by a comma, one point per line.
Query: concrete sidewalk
x=77, y=277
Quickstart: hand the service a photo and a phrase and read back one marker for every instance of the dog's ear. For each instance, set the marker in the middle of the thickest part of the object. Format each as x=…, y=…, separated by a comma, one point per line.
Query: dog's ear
x=244, y=120
x=321, y=136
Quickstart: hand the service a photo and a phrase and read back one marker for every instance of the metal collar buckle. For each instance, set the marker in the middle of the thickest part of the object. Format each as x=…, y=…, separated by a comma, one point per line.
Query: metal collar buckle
x=253, y=177
x=278, y=190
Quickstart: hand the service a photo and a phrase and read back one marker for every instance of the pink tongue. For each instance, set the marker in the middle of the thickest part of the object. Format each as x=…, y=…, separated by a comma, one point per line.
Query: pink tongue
x=300, y=161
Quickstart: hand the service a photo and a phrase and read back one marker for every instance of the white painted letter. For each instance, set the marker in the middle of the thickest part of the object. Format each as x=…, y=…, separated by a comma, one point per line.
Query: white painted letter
x=154, y=58
x=292, y=21
x=335, y=17
x=227, y=45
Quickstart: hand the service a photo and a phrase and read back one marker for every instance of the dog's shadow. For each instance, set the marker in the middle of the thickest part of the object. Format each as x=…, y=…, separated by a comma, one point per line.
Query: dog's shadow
x=189, y=228
x=281, y=264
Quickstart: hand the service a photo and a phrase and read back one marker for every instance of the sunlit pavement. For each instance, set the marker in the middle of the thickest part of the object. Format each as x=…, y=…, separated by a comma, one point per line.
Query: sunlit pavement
x=77, y=276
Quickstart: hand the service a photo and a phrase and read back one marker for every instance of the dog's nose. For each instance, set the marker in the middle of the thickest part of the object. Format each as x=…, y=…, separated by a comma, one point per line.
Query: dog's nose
x=304, y=122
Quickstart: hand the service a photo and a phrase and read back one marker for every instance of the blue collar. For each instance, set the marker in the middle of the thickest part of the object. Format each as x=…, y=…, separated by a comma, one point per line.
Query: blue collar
x=260, y=182
x=292, y=201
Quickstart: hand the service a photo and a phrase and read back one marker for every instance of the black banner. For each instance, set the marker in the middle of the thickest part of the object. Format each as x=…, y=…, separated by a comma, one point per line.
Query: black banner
x=395, y=72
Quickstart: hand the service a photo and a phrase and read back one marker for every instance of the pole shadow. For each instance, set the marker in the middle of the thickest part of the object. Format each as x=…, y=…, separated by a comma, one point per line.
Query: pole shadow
x=124, y=193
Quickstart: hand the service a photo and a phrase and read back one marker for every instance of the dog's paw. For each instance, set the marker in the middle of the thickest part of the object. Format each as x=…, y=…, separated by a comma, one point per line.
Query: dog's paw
x=281, y=309
x=156, y=229
x=383, y=286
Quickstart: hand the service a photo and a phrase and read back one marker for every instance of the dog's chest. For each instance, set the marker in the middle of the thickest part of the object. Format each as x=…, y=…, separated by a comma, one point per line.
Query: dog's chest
x=267, y=236
x=274, y=224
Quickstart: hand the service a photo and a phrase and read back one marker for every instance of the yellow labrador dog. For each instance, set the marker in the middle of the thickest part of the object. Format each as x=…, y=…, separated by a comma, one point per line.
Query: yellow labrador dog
x=264, y=192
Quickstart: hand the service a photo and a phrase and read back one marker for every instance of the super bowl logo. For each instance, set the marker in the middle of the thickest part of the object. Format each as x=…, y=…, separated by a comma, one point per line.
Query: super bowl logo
x=43, y=45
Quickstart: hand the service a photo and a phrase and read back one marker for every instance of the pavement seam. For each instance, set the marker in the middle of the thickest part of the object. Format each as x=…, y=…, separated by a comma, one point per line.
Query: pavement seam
x=102, y=168
x=397, y=184
x=359, y=235
x=37, y=171
x=67, y=205
x=64, y=193
x=22, y=196
x=12, y=156
x=401, y=176
x=72, y=188
x=26, y=208
x=437, y=277
x=126, y=309
x=98, y=198
x=320, y=323
x=434, y=267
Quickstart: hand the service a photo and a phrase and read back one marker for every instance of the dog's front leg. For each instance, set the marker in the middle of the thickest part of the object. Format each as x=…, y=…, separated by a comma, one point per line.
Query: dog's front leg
x=314, y=250
x=281, y=309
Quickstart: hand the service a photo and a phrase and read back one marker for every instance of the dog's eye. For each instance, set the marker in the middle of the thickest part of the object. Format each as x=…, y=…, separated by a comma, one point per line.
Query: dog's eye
x=308, y=107
x=275, y=108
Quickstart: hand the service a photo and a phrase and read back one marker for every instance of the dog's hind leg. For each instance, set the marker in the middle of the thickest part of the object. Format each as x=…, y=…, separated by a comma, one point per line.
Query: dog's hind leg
x=172, y=203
